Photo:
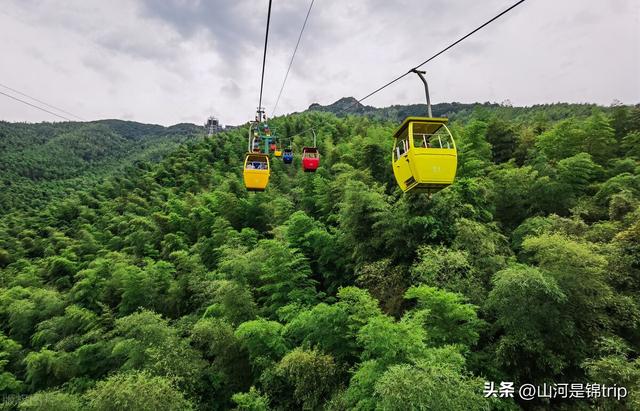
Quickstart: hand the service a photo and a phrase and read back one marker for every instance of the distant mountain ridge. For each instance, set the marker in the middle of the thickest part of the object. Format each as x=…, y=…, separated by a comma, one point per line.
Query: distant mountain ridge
x=43, y=161
x=455, y=110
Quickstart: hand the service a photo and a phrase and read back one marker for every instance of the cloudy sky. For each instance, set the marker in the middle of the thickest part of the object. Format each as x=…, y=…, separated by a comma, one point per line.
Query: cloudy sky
x=171, y=61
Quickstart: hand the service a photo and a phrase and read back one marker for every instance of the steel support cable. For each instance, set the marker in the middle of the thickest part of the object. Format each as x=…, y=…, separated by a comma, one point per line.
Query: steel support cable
x=273, y=112
x=41, y=102
x=425, y=62
x=264, y=56
x=34, y=106
x=435, y=55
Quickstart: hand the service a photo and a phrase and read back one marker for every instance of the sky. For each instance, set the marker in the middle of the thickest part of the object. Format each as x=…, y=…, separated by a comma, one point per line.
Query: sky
x=174, y=61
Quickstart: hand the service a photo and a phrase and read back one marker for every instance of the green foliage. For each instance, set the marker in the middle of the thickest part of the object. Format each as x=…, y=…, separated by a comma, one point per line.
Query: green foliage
x=251, y=401
x=47, y=368
x=385, y=282
x=231, y=370
x=487, y=246
x=614, y=367
x=263, y=341
x=138, y=391
x=390, y=342
x=442, y=267
x=631, y=144
x=579, y=270
x=515, y=199
x=46, y=161
x=233, y=302
x=9, y=353
x=145, y=341
x=474, y=149
x=133, y=282
x=51, y=401
x=445, y=316
x=302, y=379
x=532, y=341
x=502, y=137
x=280, y=274
x=428, y=386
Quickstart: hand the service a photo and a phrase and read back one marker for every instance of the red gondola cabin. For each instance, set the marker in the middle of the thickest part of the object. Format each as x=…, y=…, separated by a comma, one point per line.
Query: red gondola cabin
x=310, y=159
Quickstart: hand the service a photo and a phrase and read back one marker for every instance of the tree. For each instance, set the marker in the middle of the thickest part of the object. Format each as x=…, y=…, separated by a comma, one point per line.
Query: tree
x=487, y=246
x=514, y=193
x=441, y=267
x=619, y=120
x=136, y=391
x=61, y=331
x=580, y=272
x=600, y=139
x=263, y=341
x=324, y=326
x=284, y=276
x=390, y=342
x=537, y=334
x=279, y=274
x=321, y=247
x=9, y=353
x=502, y=137
x=564, y=140
x=428, y=386
x=631, y=144
x=251, y=401
x=303, y=379
x=385, y=282
x=446, y=317
x=232, y=301
x=144, y=341
x=334, y=328
x=374, y=158
x=575, y=174
x=52, y=401
x=614, y=368
x=22, y=308
x=5, y=258
x=47, y=368
x=474, y=152
x=360, y=210
x=216, y=340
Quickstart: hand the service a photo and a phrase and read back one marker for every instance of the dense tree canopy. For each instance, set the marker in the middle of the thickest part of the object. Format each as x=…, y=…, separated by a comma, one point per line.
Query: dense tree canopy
x=171, y=287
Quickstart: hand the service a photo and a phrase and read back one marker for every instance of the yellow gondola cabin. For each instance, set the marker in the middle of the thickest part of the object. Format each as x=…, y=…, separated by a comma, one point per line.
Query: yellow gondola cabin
x=256, y=171
x=424, y=154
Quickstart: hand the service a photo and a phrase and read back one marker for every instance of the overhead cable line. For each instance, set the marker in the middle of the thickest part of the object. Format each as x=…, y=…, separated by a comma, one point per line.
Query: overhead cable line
x=273, y=112
x=435, y=55
x=34, y=106
x=41, y=102
x=423, y=63
x=264, y=56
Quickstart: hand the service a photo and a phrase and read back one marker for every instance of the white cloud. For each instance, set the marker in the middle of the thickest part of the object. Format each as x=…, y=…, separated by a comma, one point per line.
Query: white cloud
x=167, y=61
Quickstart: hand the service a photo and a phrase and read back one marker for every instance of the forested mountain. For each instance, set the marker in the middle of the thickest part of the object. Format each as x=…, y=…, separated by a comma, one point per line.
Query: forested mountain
x=462, y=111
x=171, y=287
x=40, y=162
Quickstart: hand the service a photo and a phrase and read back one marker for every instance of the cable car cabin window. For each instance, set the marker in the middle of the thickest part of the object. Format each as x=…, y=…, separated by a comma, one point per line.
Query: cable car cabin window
x=431, y=136
x=401, y=145
x=257, y=162
x=257, y=165
x=312, y=154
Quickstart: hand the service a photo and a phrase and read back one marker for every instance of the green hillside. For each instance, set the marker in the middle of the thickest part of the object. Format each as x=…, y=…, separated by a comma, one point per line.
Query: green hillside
x=461, y=111
x=170, y=287
x=41, y=162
